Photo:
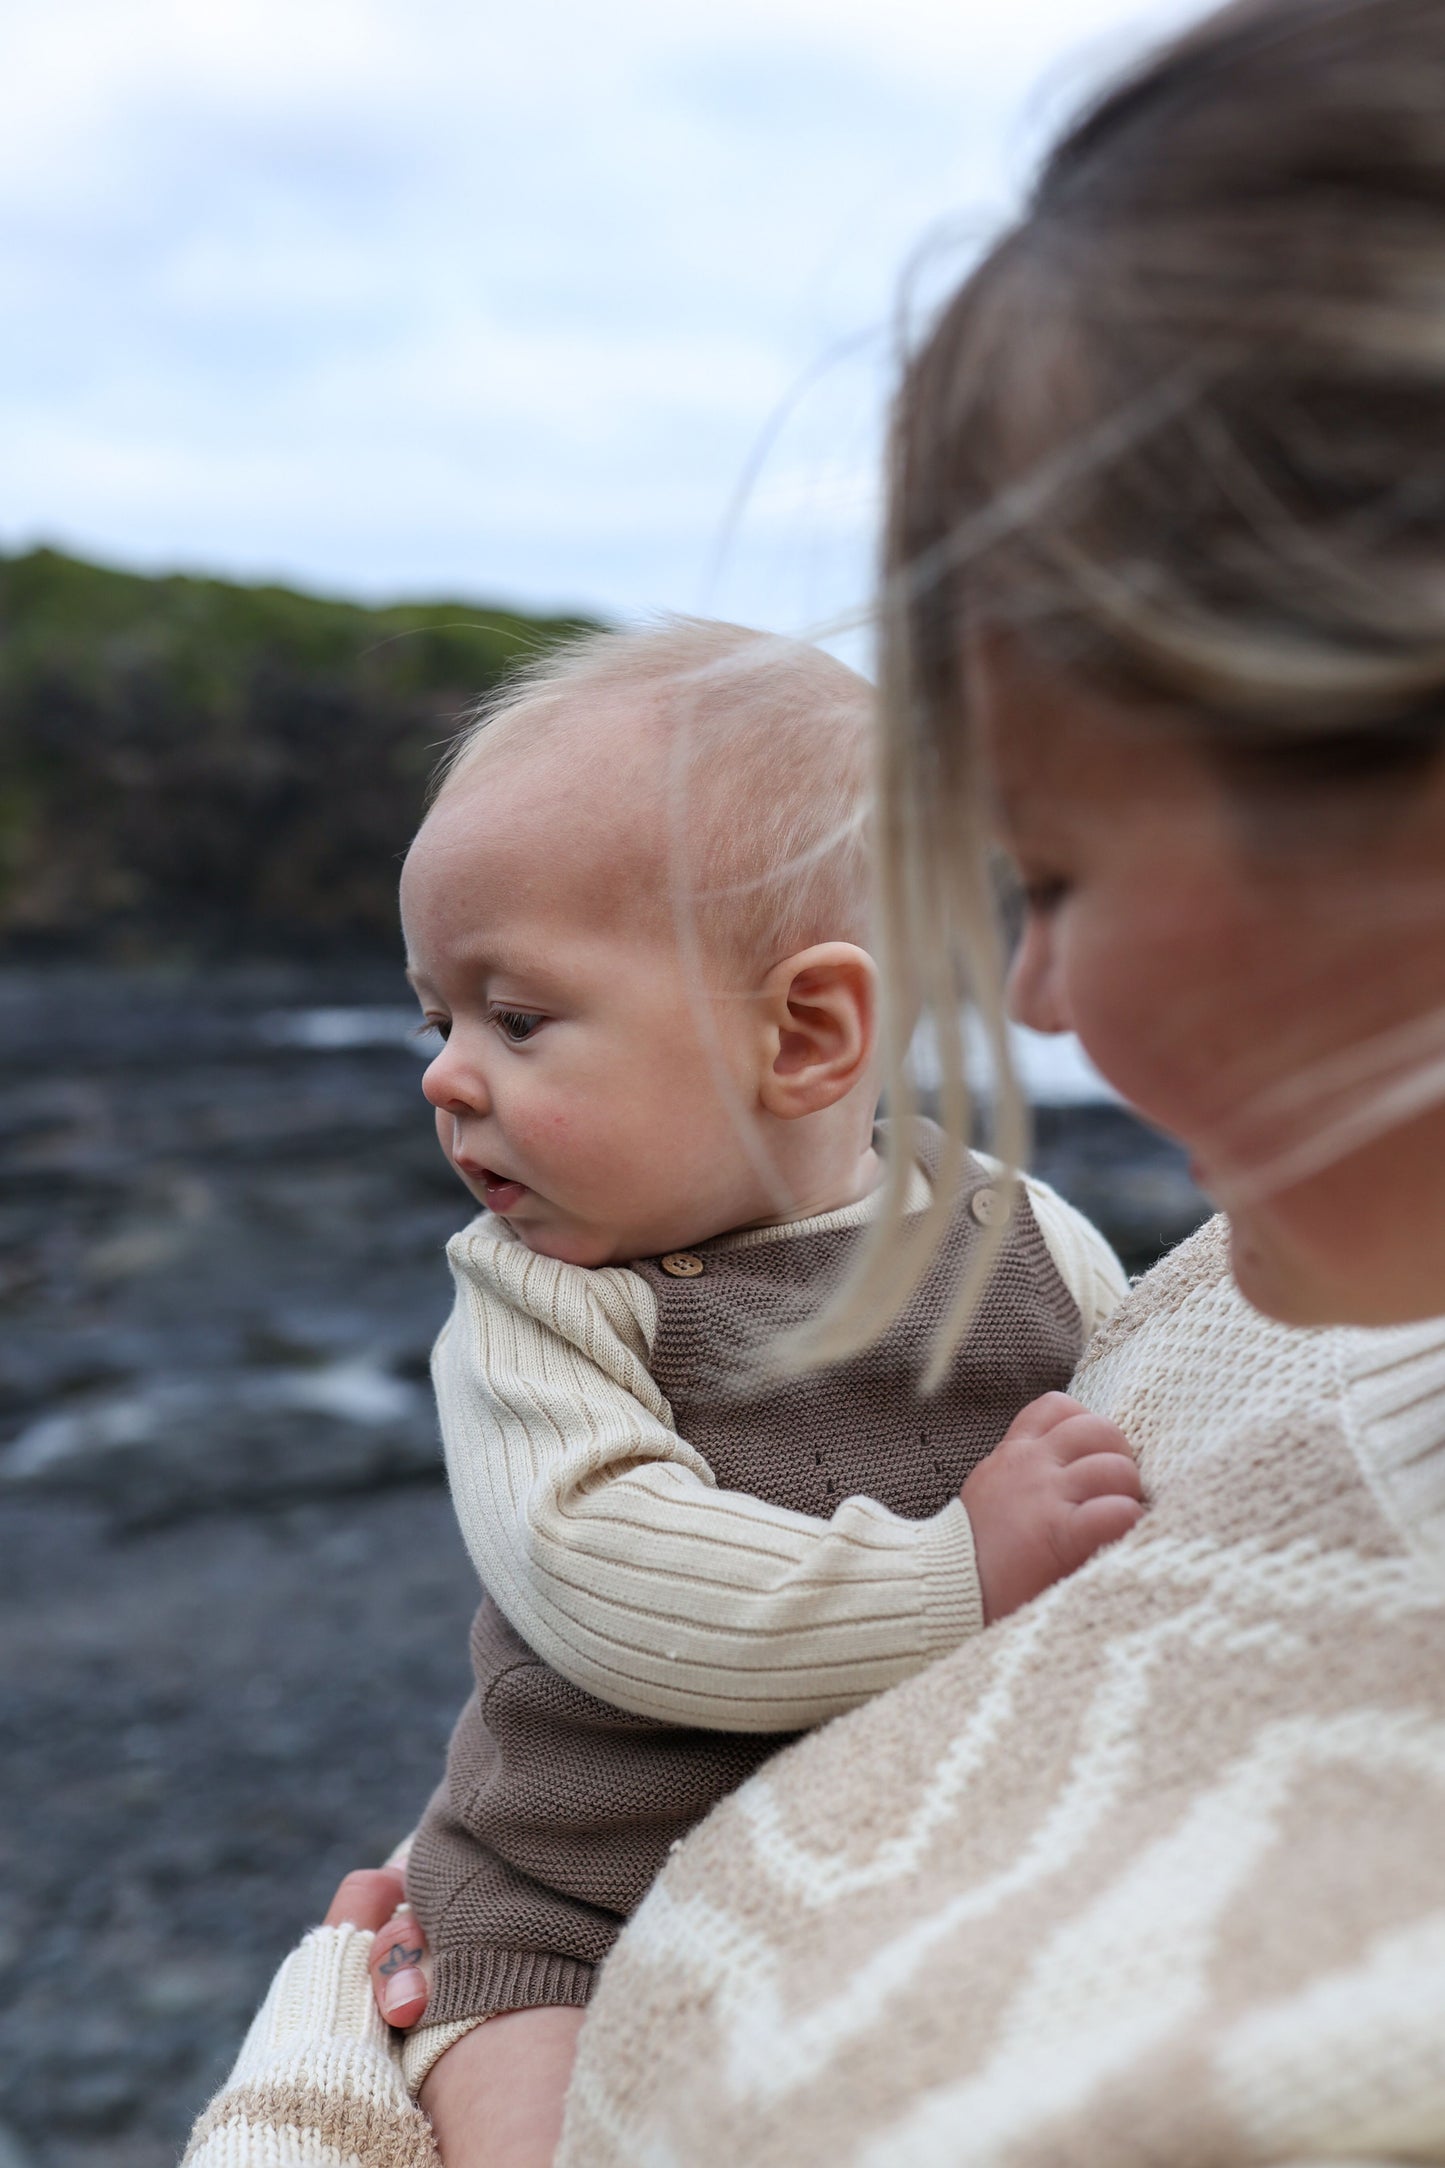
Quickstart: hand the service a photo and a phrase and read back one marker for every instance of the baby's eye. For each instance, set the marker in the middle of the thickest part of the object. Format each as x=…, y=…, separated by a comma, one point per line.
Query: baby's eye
x=515, y=1024
x=441, y=1025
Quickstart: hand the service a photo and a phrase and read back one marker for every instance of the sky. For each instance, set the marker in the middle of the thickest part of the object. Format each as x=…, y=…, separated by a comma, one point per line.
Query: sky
x=557, y=304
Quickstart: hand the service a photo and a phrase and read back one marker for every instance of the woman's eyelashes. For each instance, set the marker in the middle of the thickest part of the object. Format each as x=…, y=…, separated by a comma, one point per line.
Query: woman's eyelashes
x=1041, y=896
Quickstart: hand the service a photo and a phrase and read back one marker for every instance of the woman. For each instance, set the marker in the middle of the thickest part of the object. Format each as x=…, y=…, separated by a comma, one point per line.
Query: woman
x=1155, y=1871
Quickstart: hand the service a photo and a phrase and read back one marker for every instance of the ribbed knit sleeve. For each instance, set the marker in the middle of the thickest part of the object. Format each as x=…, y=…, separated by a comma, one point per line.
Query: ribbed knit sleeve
x=604, y=1538
x=318, y=2080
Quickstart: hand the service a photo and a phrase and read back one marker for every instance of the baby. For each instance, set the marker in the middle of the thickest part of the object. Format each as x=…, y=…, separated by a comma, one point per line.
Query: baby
x=668, y=1110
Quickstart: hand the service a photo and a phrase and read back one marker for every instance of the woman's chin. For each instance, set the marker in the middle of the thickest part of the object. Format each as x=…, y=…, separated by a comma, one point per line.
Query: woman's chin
x=1273, y=1283
x=1275, y=1278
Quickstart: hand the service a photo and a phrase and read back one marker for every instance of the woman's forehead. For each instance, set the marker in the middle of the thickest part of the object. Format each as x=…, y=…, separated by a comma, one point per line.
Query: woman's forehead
x=1058, y=751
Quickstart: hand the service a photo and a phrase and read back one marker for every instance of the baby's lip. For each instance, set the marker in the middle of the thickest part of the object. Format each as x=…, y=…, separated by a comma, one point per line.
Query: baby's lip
x=501, y=1192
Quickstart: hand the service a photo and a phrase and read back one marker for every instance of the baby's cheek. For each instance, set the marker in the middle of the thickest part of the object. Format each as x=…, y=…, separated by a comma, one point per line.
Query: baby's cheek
x=553, y=1135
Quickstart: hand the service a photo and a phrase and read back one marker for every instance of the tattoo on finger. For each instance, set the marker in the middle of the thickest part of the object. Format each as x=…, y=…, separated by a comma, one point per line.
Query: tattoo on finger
x=398, y=1956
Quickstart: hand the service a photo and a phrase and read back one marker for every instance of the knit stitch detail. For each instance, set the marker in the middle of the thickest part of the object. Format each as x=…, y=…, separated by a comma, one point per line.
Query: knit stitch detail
x=953, y=1596
x=424, y=2046
x=496, y=1980
x=1170, y=1836
x=1390, y=1399
x=307, y=2126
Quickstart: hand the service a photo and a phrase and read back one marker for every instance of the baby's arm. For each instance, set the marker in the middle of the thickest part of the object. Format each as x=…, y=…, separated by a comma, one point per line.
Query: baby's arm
x=604, y=1537
x=607, y=1542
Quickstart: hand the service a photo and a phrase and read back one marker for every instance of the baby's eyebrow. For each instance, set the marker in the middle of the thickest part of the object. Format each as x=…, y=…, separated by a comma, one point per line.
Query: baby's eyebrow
x=479, y=970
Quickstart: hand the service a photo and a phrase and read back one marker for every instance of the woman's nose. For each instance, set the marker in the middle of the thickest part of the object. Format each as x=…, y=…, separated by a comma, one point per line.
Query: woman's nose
x=454, y=1085
x=1034, y=994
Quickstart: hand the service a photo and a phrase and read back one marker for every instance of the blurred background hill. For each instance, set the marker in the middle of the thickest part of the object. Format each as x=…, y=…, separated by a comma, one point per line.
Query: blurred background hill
x=193, y=767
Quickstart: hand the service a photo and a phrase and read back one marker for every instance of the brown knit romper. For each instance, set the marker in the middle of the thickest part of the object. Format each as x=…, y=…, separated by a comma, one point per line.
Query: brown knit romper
x=558, y=1809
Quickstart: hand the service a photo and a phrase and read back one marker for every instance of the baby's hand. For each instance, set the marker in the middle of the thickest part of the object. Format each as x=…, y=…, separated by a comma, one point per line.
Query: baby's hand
x=1057, y=1487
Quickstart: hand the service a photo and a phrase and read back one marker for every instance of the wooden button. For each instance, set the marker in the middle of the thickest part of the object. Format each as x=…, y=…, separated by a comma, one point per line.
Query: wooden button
x=983, y=1204
x=682, y=1265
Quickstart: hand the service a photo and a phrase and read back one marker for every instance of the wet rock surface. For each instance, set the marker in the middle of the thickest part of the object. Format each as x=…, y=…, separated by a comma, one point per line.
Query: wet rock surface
x=233, y=1616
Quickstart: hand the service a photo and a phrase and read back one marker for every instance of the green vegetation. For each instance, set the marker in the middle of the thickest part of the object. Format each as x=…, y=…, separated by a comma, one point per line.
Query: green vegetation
x=190, y=767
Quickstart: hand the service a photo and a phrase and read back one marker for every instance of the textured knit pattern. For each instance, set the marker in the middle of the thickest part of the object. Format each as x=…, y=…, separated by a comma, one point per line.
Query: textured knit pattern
x=317, y=2083
x=1152, y=1873
x=559, y=1808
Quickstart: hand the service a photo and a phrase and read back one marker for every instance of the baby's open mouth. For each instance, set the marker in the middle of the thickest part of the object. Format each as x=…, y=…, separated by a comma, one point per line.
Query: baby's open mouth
x=501, y=1193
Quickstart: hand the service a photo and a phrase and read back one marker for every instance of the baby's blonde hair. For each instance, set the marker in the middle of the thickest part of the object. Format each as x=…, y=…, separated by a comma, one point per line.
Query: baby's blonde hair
x=761, y=747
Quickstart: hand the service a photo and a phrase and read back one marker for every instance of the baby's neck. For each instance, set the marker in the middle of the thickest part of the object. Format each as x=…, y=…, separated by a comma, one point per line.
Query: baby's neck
x=824, y=1175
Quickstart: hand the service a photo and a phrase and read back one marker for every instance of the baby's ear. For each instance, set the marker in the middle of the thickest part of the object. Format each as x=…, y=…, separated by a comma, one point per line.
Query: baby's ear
x=819, y=1011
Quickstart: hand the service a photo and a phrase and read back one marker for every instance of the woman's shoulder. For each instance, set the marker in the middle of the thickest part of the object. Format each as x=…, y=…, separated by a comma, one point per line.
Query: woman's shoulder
x=1198, y=1266
x=1207, y=1387
x=1191, y=1373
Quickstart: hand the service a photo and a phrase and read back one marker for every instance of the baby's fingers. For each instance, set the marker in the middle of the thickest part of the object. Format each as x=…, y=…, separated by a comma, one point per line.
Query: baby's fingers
x=401, y=1969
x=1101, y=1475
x=1101, y=1521
x=1042, y=1416
x=1082, y=1434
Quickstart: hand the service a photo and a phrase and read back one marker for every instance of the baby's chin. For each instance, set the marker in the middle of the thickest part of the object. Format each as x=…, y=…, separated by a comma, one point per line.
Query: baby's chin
x=587, y=1246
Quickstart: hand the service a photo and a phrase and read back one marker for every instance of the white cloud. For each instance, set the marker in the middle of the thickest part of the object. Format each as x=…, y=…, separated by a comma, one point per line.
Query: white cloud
x=404, y=294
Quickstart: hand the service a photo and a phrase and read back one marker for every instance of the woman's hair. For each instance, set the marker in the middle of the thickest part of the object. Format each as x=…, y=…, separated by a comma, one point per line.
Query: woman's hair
x=1182, y=433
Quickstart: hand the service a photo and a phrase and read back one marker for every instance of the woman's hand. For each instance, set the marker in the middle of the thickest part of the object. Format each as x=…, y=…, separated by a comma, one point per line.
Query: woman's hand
x=1058, y=1486
x=375, y=1898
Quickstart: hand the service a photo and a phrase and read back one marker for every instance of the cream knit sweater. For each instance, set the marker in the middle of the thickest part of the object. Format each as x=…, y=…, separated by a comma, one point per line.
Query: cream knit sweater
x=1152, y=1873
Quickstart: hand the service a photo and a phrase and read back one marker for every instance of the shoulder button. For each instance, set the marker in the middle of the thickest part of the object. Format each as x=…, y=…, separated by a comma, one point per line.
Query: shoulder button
x=683, y=1265
x=983, y=1204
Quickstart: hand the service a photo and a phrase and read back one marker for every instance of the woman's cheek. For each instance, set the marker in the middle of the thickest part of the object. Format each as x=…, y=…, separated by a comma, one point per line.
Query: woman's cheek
x=1126, y=1005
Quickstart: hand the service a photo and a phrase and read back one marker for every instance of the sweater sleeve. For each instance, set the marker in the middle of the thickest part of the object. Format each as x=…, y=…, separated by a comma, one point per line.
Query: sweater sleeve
x=605, y=1539
x=318, y=2079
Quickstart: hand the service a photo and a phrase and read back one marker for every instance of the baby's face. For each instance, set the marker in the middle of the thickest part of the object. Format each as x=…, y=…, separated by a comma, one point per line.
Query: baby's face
x=575, y=1095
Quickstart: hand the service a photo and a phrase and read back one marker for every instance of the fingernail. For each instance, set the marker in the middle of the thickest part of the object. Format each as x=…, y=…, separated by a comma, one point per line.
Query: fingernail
x=402, y=1988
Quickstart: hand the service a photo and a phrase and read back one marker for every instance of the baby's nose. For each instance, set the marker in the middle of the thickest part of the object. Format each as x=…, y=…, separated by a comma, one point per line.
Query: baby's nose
x=454, y=1086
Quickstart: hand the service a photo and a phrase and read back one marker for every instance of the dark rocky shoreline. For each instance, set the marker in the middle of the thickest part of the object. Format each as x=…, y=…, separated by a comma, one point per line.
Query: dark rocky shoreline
x=235, y=1604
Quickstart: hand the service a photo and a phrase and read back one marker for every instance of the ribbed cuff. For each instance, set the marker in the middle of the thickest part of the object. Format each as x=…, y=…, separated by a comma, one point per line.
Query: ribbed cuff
x=425, y=2045
x=482, y=1983
x=952, y=1598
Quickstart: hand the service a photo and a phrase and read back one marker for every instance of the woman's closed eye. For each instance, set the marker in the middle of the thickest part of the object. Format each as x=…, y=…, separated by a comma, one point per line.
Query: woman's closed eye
x=516, y=1025
x=1045, y=895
